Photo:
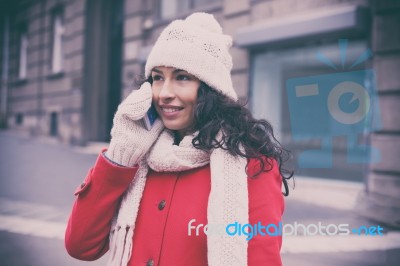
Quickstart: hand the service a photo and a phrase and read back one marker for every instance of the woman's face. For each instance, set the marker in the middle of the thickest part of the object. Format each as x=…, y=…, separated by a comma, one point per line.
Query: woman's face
x=175, y=97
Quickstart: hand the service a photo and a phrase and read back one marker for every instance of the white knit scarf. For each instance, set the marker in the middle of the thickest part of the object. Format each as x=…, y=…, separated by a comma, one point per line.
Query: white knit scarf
x=227, y=202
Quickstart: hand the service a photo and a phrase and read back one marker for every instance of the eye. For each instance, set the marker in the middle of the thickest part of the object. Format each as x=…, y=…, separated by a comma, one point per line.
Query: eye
x=156, y=77
x=183, y=77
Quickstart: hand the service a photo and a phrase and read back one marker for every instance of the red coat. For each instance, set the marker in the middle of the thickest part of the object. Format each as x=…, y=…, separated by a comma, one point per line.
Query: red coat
x=169, y=202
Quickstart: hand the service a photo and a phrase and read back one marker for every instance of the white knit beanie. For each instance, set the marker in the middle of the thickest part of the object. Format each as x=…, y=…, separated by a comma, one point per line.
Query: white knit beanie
x=198, y=46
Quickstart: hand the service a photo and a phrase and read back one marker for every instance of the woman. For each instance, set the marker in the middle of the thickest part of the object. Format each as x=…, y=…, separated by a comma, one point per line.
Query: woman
x=205, y=161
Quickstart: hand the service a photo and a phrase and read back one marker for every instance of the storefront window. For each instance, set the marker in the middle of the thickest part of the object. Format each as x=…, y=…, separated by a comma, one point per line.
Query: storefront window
x=271, y=71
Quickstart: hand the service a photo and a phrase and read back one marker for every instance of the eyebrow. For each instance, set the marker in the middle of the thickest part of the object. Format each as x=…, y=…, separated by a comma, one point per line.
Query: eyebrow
x=174, y=72
x=156, y=70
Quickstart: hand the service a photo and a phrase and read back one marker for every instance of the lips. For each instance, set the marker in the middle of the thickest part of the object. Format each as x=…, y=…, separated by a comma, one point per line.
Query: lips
x=170, y=111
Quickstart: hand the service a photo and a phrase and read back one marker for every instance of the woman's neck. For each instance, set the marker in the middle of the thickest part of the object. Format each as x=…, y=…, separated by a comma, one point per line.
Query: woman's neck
x=180, y=134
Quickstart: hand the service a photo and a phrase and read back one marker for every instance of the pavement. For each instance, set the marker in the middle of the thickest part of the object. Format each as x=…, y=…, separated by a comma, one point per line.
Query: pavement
x=38, y=177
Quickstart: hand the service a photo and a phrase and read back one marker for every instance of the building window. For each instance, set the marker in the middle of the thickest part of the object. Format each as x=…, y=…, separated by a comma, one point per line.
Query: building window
x=57, y=55
x=173, y=8
x=23, y=51
x=19, y=119
x=53, y=124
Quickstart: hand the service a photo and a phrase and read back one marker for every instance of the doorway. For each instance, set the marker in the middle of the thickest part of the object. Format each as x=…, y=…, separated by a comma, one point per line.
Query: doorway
x=102, y=67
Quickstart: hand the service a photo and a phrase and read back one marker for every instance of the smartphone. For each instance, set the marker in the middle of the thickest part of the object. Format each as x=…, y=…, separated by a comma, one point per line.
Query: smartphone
x=150, y=117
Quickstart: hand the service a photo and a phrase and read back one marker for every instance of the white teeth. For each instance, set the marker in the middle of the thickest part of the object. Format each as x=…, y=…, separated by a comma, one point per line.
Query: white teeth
x=170, y=110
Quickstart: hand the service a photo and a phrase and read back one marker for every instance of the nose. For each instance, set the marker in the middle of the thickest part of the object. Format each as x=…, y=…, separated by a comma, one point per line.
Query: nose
x=166, y=91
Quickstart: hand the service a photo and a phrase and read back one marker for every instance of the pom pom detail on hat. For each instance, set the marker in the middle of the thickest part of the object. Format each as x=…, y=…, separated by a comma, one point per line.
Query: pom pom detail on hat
x=206, y=21
x=198, y=46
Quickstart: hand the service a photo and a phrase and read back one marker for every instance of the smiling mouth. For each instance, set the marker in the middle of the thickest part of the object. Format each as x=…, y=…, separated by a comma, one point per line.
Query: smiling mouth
x=171, y=109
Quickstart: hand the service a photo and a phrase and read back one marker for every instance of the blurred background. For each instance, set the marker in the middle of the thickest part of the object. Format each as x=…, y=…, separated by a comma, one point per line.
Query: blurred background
x=67, y=64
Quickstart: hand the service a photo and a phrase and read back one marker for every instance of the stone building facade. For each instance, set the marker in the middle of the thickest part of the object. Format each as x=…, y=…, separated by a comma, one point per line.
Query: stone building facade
x=66, y=64
x=381, y=199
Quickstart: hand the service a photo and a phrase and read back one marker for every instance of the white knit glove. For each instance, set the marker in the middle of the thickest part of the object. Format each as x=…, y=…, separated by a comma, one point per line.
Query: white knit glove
x=129, y=139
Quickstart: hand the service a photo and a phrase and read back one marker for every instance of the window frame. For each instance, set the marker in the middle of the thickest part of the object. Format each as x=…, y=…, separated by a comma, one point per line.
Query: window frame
x=23, y=44
x=57, y=56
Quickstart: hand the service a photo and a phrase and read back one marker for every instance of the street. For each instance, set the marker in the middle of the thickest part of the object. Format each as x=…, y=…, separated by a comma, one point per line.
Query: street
x=38, y=178
x=37, y=181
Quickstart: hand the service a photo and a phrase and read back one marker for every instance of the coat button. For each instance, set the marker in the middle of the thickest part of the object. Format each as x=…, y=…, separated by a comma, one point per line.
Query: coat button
x=83, y=184
x=161, y=205
x=150, y=262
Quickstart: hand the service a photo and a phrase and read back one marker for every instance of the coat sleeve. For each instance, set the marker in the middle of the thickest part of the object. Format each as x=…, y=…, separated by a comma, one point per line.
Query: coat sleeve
x=266, y=206
x=98, y=198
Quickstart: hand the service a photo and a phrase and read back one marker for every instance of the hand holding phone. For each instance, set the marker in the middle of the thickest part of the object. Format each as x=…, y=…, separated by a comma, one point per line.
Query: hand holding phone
x=130, y=140
x=150, y=117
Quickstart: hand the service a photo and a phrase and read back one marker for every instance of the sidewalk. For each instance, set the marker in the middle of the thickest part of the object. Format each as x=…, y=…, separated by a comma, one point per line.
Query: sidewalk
x=332, y=202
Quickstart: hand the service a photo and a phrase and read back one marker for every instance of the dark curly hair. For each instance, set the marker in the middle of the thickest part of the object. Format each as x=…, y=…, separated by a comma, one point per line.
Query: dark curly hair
x=216, y=113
